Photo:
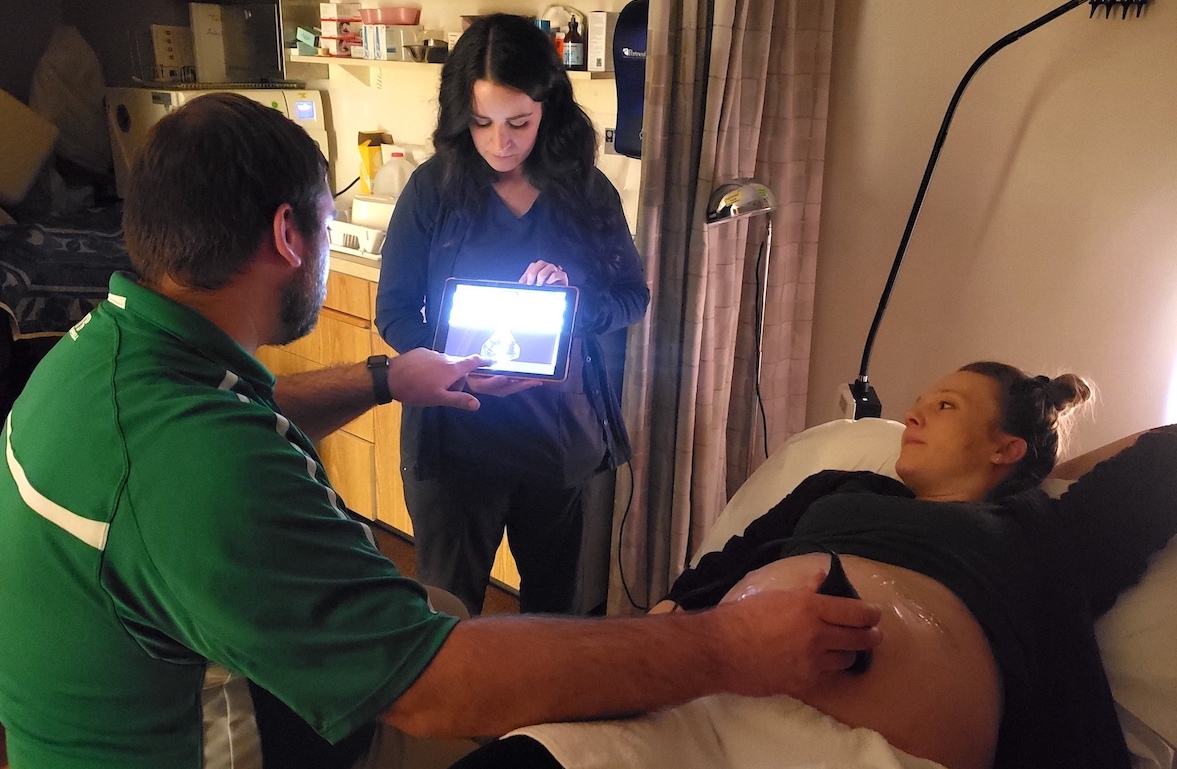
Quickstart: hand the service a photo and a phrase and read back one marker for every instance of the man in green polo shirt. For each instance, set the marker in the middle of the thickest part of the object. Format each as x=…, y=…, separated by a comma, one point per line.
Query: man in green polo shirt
x=162, y=508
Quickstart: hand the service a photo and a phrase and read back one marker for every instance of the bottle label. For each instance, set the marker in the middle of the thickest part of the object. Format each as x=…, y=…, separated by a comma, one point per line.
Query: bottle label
x=573, y=55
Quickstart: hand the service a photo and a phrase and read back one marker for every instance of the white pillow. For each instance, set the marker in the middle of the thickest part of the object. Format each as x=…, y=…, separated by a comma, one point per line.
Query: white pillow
x=67, y=88
x=844, y=444
x=1138, y=645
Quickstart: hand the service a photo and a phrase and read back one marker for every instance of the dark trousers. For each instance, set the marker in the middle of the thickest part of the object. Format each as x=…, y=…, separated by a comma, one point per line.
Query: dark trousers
x=288, y=742
x=516, y=752
x=458, y=522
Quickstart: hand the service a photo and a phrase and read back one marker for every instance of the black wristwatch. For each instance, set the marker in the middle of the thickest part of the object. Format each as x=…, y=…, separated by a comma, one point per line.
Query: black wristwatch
x=378, y=368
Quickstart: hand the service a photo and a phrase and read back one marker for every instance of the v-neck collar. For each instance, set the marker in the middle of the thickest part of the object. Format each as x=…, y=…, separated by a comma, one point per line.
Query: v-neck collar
x=507, y=208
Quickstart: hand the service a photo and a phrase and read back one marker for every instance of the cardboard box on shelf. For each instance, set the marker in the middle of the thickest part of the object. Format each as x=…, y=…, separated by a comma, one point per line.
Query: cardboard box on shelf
x=236, y=43
x=339, y=46
x=332, y=28
x=387, y=42
x=369, y=144
x=600, y=40
x=307, y=36
x=172, y=49
x=339, y=11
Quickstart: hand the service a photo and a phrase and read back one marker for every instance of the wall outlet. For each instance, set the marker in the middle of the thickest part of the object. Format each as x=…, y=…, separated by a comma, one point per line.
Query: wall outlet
x=610, y=142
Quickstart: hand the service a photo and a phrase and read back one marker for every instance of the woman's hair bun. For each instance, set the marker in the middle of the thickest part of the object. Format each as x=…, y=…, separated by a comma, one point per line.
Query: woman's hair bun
x=1066, y=391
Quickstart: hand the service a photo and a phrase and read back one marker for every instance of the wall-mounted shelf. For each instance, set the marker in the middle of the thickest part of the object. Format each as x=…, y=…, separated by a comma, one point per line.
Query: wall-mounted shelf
x=344, y=61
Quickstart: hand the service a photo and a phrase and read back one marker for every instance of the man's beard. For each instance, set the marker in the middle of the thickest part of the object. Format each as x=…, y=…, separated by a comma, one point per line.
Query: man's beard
x=302, y=298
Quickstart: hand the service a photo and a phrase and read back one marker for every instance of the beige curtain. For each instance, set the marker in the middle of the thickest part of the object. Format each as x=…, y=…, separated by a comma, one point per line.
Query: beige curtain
x=734, y=88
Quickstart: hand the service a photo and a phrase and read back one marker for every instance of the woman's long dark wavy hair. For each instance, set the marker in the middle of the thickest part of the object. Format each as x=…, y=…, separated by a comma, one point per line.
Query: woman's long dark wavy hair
x=1031, y=407
x=512, y=51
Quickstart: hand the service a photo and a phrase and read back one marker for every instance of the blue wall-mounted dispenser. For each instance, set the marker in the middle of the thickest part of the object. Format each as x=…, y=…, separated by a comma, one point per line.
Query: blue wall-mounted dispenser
x=629, y=64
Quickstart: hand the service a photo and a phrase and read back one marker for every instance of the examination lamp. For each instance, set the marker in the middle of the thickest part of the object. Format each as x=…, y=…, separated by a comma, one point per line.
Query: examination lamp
x=739, y=199
x=742, y=199
x=858, y=399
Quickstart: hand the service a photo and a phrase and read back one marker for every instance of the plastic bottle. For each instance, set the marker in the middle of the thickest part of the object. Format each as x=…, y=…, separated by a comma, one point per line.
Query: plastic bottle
x=574, y=58
x=393, y=175
x=559, y=42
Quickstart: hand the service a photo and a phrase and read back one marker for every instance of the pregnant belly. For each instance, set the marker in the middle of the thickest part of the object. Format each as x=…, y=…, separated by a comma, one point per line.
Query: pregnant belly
x=933, y=688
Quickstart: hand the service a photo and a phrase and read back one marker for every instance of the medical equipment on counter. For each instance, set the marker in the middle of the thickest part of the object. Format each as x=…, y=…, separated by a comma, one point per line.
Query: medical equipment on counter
x=361, y=230
x=131, y=112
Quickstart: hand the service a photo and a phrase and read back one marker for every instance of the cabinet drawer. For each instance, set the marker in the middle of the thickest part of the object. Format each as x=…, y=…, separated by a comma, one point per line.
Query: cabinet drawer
x=390, y=489
x=343, y=340
x=281, y=361
x=351, y=466
x=349, y=295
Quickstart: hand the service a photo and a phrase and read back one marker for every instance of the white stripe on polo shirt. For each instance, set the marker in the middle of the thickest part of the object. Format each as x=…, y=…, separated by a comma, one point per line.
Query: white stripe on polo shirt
x=93, y=533
x=282, y=427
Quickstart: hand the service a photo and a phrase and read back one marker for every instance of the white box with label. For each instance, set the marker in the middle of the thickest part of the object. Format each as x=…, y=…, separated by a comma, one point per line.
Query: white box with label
x=388, y=42
x=339, y=11
x=599, y=51
x=172, y=46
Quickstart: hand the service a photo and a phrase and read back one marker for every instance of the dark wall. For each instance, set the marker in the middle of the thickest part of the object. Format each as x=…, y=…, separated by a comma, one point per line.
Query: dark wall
x=119, y=32
x=27, y=25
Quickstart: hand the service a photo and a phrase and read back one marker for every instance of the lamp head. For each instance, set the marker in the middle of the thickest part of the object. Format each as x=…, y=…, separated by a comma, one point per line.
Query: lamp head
x=739, y=199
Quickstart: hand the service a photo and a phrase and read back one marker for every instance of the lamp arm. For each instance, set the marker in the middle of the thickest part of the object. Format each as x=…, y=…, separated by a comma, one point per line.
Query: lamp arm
x=936, y=147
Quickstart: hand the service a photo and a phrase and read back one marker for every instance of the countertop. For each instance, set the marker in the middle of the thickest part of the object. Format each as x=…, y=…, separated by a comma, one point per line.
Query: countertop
x=358, y=266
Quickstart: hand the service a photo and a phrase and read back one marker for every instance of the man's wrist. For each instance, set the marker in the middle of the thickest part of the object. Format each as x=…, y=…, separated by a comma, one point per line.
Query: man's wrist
x=378, y=368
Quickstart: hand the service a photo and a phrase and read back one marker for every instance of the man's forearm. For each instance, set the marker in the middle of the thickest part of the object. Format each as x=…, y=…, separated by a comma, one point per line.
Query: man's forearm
x=521, y=671
x=320, y=402
x=496, y=674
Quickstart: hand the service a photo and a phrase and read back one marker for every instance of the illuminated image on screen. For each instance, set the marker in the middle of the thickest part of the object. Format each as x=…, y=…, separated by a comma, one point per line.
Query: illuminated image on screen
x=304, y=109
x=518, y=329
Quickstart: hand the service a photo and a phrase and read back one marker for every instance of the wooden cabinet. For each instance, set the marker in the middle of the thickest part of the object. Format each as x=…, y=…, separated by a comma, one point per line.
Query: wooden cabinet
x=363, y=458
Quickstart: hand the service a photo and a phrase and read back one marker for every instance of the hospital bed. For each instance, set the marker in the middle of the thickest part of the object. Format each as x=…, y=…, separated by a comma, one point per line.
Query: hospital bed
x=1137, y=639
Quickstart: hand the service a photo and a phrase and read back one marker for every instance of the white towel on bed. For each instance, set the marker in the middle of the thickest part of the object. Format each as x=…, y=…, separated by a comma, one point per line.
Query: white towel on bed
x=723, y=732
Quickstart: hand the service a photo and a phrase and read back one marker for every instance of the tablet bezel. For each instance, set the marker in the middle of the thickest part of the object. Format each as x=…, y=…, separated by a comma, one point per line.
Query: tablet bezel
x=563, y=343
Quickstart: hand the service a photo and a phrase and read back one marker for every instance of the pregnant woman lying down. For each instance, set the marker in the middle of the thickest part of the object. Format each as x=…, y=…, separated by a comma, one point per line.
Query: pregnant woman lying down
x=989, y=588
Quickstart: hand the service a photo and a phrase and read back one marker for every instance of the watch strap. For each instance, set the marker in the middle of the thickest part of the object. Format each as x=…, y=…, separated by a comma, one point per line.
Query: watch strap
x=378, y=368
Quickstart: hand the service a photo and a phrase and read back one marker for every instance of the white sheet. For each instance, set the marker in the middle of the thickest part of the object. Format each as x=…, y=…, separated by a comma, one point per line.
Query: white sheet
x=723, y=732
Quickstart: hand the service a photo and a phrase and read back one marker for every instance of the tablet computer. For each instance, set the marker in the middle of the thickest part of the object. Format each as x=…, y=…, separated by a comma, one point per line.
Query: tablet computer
x=525, y=330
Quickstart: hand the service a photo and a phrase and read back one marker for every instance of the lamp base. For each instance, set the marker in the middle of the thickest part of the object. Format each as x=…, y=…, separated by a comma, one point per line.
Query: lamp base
x=858, y=400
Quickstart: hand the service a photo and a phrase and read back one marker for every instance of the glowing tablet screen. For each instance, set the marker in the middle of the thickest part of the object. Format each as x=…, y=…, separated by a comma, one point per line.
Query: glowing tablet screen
x=525, y=330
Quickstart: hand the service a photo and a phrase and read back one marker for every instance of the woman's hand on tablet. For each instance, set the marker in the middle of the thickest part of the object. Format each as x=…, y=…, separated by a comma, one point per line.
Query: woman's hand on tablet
x=541, y=273
x=498, y=386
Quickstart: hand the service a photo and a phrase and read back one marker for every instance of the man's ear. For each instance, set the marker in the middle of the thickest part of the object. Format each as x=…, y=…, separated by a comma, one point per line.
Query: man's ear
x=288, y=239
x=1010, y=452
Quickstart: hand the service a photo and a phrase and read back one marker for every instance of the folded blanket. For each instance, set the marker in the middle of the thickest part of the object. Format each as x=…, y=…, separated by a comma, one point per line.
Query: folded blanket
x=723, y=732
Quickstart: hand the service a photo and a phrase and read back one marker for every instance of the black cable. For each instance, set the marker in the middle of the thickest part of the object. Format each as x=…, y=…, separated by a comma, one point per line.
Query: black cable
x=759, y=310
x=1012, y=37
x=620, y=536
x=763, y=423
x=345, y=189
